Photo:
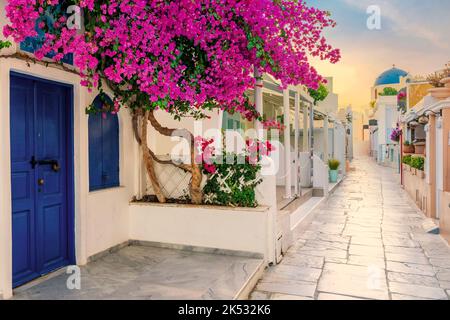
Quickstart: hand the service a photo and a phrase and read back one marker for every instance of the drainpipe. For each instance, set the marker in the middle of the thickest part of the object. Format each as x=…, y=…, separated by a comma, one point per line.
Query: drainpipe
x=287, y=144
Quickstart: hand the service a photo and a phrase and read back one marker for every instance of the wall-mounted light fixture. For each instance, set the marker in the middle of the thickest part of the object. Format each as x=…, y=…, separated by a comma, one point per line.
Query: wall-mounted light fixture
x=423, y=120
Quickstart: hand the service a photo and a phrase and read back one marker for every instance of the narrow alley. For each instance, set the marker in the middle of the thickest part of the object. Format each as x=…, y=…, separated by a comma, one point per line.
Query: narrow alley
x=365, y=242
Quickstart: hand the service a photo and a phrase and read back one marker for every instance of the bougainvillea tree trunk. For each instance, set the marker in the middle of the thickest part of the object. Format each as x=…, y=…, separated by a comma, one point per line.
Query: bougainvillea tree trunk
x=149, y=161
x=196, y=184
x=194, y=168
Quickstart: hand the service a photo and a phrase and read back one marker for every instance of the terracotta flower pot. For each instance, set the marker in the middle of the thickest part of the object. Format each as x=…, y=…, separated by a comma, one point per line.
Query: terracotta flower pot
x=440, y=93
x=419, y=149
x=409, y=149
x=446, y=81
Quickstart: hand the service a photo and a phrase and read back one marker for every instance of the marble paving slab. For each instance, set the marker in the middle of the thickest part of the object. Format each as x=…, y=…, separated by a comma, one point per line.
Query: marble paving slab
x=149, y=273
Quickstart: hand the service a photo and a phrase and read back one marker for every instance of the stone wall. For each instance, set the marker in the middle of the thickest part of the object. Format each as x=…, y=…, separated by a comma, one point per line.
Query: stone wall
x=418, y=189
x=444, y=221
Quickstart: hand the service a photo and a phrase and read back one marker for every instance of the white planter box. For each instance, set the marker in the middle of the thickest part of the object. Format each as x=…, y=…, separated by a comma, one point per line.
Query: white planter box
x=236, y=229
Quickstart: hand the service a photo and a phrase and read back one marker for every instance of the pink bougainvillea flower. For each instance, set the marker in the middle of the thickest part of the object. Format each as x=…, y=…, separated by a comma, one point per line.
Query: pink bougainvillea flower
x=183, y=55
x=210, y=168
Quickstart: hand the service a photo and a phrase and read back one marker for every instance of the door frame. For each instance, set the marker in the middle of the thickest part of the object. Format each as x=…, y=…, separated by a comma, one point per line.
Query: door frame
x=69, y=115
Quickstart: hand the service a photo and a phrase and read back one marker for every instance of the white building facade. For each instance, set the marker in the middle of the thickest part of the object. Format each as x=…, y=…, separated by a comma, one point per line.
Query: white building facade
x=386, y=115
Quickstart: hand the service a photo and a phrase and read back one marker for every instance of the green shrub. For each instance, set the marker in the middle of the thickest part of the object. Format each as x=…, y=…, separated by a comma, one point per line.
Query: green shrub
x=418, y=163
x=320, y=94
x=389, y=92
x=407, y=160
x=334, y=164
x=232, y=177
x=5, y=44
x=407, y=143
x=233, y=184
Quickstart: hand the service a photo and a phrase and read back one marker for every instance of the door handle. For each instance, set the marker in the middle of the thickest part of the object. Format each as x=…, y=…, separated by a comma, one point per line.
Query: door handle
x=33, y=162
x=41, y=182
x=54, y=163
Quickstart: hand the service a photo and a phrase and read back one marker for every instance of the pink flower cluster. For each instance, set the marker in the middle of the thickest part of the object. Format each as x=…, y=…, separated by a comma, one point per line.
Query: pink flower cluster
x=139, y=45
x=401, y=96
x=273, y=124
x=257, y=149
x=395, y=134
x=205, y=152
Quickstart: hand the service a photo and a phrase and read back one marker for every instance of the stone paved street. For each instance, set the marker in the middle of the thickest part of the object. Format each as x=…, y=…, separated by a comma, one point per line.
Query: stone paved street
x=365, y=242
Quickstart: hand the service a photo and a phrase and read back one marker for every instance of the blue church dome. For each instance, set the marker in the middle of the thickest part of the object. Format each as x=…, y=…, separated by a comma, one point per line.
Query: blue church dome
x=391, y=76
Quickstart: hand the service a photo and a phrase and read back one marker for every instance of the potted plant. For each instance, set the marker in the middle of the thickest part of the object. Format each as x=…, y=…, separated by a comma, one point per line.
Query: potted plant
x=334, y=164
x=408, y=147
x=395, y=134
x=446, y=81
x=413, y=166
x=418, y=163
x=440, y=81
x=407, y=162
x=419, y=146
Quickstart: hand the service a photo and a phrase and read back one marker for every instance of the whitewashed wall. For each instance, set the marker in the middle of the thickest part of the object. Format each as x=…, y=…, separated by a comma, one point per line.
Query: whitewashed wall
x=320, y=175
x=329, y=105
x=239, y=229
x=339, y=146
x=319, y=142
x=387, y=116
x=163, y=145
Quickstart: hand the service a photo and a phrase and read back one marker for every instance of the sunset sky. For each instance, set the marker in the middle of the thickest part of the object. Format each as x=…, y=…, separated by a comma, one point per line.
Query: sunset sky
x=415, y=36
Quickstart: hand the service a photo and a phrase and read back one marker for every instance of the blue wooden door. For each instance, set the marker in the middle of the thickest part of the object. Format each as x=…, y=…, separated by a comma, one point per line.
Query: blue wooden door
x=39, y=177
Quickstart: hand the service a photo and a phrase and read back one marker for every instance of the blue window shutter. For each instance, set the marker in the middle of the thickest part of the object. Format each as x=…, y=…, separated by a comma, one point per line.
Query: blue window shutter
x=95, y=152
x=104, y=163
x=110, y=133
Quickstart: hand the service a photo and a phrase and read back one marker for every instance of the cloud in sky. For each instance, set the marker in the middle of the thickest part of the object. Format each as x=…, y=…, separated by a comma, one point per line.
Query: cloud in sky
x=406, y=21
x=414, y=36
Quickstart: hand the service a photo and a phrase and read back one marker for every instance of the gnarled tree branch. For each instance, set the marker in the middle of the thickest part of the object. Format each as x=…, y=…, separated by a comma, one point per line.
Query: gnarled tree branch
x=148, y=160
x=196, y=180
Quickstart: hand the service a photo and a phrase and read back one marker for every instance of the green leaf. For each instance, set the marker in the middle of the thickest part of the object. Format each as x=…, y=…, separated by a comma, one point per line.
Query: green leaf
x=5, y=44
